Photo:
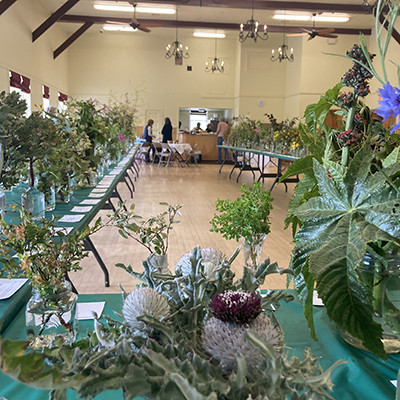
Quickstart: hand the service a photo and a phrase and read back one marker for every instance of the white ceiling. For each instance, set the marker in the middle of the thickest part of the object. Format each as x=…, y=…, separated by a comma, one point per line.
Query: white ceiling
x=216, y=14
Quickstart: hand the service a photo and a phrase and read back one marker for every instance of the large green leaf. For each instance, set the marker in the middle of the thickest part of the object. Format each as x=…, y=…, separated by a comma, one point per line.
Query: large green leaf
x=336, y=228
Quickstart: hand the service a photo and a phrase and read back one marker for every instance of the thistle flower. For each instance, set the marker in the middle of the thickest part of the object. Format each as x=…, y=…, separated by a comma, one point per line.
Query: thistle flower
x=211, y=259
x=239, y=307
x=226, y=342
x=144, y=301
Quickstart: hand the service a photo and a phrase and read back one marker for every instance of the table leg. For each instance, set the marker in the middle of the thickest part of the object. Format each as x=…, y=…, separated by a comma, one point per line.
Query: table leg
x=90, y=246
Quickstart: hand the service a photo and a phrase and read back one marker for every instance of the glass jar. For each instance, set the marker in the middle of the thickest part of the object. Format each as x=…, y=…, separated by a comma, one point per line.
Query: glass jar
x=50, y=318
x=159, y=263
x=33, y=202
x=50, y=199
x=2, y=201
x=252, y=250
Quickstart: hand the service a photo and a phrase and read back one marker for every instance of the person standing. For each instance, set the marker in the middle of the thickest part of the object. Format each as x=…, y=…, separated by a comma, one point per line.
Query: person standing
x=148, y=136
x=166, y=131
x=222, y=130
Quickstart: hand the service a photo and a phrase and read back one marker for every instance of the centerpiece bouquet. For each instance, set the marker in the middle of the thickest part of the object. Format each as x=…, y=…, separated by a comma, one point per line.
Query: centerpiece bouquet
x=347, y=204
x=194, y=334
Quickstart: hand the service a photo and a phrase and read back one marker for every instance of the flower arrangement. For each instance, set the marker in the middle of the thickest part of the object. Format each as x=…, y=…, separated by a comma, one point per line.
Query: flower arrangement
x=346, y=206
x=174, y=350
x=152, y=233
x=246, y=217
x=40, y=252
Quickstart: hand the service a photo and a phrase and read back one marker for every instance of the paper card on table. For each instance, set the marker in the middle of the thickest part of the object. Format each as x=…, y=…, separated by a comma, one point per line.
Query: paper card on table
x=316, y=300
x=71, y=218
x=96, y=195
x=99, y=190
x=90, y=201
x=10, y=286
x=65, y=229
x=86, y=310
x=80, y=209
x=394, y=383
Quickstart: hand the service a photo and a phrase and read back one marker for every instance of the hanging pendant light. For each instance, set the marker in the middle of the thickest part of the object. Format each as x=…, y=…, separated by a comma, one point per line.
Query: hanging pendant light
x=282, y=53
x=177, y=49
x=216, y=64
x=252, y=27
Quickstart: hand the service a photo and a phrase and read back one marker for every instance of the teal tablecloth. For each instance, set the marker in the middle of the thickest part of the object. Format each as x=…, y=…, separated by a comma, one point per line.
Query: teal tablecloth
x=364, y=376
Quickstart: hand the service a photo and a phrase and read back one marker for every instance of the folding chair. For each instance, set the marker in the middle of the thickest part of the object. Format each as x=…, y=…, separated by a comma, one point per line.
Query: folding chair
x=165, y=155
x=157, y=149
x=143, y=152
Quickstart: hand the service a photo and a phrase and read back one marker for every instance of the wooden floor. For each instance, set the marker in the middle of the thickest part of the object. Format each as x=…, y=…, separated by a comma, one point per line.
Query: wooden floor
x=197, y=188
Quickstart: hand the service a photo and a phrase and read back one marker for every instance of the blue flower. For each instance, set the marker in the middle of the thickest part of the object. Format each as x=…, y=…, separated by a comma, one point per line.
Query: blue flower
x=390, y=103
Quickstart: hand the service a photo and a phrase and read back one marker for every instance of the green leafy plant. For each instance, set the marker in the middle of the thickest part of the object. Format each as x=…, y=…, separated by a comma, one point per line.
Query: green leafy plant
x=346, y=208
x=151, y=233
x=247, y=216
x=169, y=362
x=41, y=252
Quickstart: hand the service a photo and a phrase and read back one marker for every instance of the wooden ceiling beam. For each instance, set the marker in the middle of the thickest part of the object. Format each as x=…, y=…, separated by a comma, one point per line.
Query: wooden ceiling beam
x=5, y=4
x=395, y=33
x=198, y=24
x=72, y=39
x=268, y=5
x=53, y=19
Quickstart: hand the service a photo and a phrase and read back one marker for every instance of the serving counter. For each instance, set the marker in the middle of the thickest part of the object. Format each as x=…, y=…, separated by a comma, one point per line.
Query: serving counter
x=206, y=143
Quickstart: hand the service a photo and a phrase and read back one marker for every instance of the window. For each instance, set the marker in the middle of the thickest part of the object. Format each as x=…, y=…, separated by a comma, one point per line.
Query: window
x=46, y=97
x=195, y=118
x=22, y=85
x=62, y=98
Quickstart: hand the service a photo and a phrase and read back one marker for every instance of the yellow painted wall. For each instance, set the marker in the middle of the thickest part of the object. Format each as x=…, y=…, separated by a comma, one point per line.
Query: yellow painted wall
x=34, y=60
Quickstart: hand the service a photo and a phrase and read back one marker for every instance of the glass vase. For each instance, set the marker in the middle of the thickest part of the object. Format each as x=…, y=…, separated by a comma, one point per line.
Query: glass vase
x=252, y=250
x=2, y=201
x=50, y=199
x=159, y=263
x=385, y=284
x=51, y=319
x=33, y=202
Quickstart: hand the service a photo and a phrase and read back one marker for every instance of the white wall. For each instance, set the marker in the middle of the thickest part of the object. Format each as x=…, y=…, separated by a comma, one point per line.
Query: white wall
x=34, y=60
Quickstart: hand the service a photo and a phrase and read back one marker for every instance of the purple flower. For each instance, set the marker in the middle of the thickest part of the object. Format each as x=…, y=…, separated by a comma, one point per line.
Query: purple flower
x=121, y=137
x=239, y=307
x=389, y=104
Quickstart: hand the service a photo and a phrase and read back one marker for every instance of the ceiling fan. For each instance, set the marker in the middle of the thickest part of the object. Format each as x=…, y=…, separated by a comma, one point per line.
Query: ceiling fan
x=135, y=24
x=325, y=32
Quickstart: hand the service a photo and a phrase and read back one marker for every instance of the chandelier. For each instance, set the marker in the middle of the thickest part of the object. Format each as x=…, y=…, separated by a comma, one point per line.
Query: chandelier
x=216, y=64
x=252, y=29
x=176, y=48
x=282, y=53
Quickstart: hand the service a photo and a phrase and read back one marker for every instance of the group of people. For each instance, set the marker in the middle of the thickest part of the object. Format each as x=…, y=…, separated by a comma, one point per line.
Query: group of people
x=166, y=131
x=222, y=131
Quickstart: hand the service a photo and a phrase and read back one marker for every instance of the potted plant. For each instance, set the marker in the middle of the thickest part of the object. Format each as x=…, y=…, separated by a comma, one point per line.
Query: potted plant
x=182, y=337
x=245, y=219
x=346, y=205
x=45, y=255
x=151, y=233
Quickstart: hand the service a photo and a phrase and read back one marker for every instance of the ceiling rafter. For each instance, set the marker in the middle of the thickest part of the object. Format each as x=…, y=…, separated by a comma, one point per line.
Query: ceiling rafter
x=266, y=5
x=72, y=39
x=395, y=33
x=53, y=19
x=5, y=4
x=198, y=24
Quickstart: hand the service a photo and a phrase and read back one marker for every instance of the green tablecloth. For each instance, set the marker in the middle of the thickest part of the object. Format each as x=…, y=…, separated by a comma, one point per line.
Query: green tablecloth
x=363, y=377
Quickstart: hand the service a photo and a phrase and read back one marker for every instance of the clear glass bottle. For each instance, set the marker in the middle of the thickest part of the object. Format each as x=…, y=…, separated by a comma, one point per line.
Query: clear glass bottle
x=51, y=319
x=33, y=201
x=2, y=201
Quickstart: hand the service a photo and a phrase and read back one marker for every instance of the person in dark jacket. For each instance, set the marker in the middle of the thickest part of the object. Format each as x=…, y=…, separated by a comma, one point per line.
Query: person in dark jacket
x=167, y=131
x=148, y=137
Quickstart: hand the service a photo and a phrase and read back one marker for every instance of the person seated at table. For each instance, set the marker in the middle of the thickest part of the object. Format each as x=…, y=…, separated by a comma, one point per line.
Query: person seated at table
x=209, y=128
x=222, y=132
x=198, y=128
x=148, y=137
x=166, y=130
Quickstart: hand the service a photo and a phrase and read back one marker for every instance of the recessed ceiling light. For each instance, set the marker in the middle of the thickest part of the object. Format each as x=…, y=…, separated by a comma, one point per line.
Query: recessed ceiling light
x=108, y=7
x=218, y=35
x=119, y=28
x=139, y=8
x=154, y=10
x=292, y=17
x=327, y=17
